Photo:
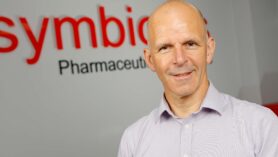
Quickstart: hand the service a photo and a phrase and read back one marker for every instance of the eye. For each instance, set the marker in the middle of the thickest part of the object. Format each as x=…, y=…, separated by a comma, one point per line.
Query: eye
x=164, y=48
x=191, y=44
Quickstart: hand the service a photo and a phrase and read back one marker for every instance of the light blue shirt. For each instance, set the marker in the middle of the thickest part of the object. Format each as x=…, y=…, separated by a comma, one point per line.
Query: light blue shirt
x=223, y=127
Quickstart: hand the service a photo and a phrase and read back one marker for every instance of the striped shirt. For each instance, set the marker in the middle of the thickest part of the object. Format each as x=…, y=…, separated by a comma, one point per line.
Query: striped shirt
x=223, y=127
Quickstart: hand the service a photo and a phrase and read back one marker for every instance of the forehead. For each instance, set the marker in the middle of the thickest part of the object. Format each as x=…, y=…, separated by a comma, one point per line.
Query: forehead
x=169, y=21
x=176, y=25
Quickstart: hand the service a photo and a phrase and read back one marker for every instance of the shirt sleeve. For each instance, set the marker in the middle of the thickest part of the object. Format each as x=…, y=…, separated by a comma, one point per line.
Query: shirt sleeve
x=125, y=149
x=268, y=146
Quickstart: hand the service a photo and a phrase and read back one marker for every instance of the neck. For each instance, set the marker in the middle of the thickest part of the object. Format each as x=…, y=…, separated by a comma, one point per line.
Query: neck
x=183, y=106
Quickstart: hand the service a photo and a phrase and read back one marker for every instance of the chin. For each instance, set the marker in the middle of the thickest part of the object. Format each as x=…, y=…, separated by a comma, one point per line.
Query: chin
x=183, y=91
x=182, y=88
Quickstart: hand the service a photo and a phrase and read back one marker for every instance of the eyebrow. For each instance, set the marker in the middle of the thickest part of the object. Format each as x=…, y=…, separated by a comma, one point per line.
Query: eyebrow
x=162, y=44
x=168, y=43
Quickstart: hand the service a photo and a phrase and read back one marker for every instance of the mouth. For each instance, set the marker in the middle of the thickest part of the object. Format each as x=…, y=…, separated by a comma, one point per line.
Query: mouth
x=183, y=76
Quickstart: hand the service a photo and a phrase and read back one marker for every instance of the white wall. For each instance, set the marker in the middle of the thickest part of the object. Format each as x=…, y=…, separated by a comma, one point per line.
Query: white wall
x=264, y=22
x=244, y=34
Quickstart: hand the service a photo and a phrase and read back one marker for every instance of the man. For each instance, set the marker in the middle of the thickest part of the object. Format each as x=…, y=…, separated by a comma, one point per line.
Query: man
x=194, y=119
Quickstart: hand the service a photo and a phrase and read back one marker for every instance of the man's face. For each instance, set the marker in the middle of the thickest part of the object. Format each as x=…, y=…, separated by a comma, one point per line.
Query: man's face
x=179, y=51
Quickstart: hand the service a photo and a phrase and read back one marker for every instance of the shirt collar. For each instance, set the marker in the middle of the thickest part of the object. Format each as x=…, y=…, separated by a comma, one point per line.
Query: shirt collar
x=212, y=101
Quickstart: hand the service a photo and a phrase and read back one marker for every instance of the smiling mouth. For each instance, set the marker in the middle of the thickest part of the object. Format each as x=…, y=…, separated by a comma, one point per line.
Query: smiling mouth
x=183, y=76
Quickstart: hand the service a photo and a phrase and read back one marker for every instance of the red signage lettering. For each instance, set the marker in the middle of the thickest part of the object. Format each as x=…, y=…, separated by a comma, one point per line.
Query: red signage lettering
x=37, y=41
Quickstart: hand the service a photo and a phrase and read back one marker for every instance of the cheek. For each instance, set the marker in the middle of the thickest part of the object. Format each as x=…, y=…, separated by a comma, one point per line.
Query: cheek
x=161, y=63
x=199, y=60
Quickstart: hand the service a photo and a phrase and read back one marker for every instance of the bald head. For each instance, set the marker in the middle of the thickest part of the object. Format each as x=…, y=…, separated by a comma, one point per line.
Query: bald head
x=172, y=4
x=173, y=11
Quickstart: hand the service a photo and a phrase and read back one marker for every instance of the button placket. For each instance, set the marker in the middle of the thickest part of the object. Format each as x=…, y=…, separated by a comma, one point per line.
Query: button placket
x=186, y=140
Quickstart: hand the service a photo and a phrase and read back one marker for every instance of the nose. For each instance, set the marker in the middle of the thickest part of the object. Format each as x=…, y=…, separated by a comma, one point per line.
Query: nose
x=179, y=56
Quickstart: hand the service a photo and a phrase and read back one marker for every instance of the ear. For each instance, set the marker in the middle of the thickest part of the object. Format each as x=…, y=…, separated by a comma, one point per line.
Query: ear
x=148, y=58
x=210, y=49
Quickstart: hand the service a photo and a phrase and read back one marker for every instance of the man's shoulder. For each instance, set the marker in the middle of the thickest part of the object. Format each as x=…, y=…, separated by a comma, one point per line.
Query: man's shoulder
x=257, y=123
x=137, y=131
x=246, y=110
x=143, y=123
